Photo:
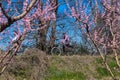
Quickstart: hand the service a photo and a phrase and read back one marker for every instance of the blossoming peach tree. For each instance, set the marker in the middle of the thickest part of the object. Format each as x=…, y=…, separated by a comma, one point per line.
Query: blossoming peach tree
x=32, y=10
x=101, y=25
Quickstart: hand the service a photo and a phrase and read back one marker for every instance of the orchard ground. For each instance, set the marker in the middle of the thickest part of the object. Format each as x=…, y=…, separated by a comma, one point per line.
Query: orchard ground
x=36, y=65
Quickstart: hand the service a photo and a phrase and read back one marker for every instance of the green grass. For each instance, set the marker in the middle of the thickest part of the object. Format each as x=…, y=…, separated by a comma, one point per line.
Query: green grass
x=103, y=72
x=113, y=64
x=55, y=74
x=99, y=60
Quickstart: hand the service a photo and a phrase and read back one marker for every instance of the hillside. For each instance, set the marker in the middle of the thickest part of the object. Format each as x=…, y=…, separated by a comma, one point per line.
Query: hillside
x=36, y=65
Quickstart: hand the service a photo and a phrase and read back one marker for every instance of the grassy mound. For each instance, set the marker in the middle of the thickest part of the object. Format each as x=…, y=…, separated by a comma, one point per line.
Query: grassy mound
x=32, y=65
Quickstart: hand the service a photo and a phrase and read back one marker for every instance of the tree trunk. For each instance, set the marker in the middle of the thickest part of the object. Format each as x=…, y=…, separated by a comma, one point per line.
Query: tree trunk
x=41, y=37
x=53, y=36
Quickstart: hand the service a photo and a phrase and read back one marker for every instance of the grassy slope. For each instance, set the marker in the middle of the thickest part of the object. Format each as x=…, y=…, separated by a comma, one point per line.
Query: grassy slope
x=33, y=66
x=80, y=68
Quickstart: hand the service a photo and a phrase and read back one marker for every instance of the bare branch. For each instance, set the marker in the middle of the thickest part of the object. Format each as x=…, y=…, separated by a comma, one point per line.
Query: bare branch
x=25, y=12
x=4, y=12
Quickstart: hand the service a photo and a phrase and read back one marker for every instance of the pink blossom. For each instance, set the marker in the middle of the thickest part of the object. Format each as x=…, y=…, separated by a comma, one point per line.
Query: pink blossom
x=95, y=35
x=73, y=12
x=9, y=2
x=118, y=17
x=101, y=40
x=25, y=5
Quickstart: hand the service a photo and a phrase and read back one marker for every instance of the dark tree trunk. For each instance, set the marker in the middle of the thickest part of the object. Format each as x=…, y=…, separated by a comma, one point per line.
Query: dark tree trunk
x=41, y=37
x=53, y=36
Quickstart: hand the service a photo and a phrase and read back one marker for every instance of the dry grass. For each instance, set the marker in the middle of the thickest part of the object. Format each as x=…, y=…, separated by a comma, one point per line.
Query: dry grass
x=32, y=65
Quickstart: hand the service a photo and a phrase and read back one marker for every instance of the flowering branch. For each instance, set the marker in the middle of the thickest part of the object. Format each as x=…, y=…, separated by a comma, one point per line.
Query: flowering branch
x=13, y=19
